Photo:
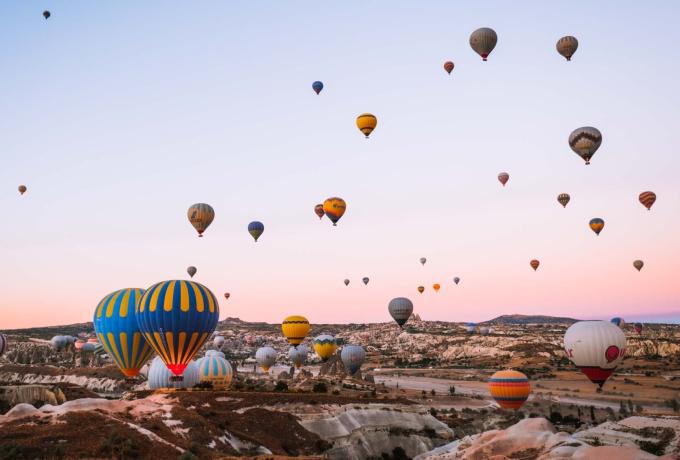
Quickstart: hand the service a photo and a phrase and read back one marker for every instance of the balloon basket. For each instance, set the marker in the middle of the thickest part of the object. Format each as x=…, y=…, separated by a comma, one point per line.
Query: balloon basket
x=177, y=378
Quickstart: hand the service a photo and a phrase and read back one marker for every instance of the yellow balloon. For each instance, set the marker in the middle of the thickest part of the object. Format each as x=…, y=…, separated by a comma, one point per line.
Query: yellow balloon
x=295, y=329
x=366, y=122
x=334, y=208
x=325, y=346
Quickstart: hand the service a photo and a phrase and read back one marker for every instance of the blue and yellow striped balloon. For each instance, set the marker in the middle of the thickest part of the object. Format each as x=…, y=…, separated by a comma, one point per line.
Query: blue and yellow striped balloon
x=216, y=370
x=176, y=318
x=116, y=326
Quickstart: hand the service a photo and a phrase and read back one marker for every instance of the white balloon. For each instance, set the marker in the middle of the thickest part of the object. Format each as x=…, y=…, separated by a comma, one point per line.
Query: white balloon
x=596, y=348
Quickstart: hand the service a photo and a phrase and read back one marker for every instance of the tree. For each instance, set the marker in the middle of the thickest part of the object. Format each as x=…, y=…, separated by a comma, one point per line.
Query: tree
x=452, y=390
x=432, y=392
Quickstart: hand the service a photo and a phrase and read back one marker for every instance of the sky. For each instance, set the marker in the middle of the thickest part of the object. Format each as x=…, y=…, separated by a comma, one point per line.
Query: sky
x=120, y=115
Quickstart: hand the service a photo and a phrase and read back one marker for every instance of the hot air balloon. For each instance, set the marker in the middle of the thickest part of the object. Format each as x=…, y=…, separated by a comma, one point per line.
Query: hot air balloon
x=563, y=199
x=503, y=178
x=509, y=388
x=115, y=324
x=567, y=46
x=99, y=350
x=638, y=264
x=46, y=14
x=79, y=344
x=400, y=308
x=421, y=289
x=483, y=41
x=470, y=328
x=58, y=342
x=646, y=198
x=218, y=341
x=22, y=189
x=298, y=355
x=436, y=287
x=596, y=224
x=484, y=330
x=295, y=329
x=366, y=122
x=92, y=340
x=265, y=357
x=585, y=141
x=334, y=208
x=448, y=66
x=215, y=370
x=353, y=357
x=88, y=347
x=596, y=348
x=324, y=346
x=365, y=279
x=423, y=260
x=638, y=328
x=534, y=264
x=161, y=377
x=214, y=353
x=346, y=281
x=3, y=344
x=176, y=318
x=317, y=86
x=456, y=280
x=191, y=270
x=618, y=321
x=255, y=229
x=201, y=216
x=227, y=295
x=318, y=210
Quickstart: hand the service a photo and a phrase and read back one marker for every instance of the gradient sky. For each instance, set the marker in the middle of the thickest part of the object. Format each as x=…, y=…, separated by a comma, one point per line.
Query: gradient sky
x=120, y=115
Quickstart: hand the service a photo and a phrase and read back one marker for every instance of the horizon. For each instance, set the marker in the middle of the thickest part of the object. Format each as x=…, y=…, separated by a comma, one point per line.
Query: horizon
x=119, y=117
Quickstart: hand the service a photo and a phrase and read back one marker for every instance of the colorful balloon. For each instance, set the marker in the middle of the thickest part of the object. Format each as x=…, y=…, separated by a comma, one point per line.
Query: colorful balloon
x=352, y=356
x=365, y=279
x=324, y=346
x=483, y=41
x=596, y=348
x=638, y=328
x=423, y=260
x=421, y=289
x=596, y=224
x=503, y=178
x=448, y=66
x=298, y=355
x=318, y=210
x=509, y=388
x=400, y=309
x=456, y=280
x=346, y=281
x=22, y=189
x=115, y=324
x=200, y=216
x=638, y=264
x=218, y=341
x=161, y=377
x=567, y=46
x=295, y=329
x=563, y=199
x=191, y=270
x=265, y=357
x=647, y=199
x=176, y=318
x=585, y=141
x=470, y=328
x=618, y=321
x=255, y=229
x=317, y=86
x=436, y=287
x=215, y=370
x=334, y=208
x=366, y=122
x=534, y=264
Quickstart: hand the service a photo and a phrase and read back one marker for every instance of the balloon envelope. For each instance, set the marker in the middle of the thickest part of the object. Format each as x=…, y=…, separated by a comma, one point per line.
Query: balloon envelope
x=596, y=224
x=295, y=329
x=563, y=199
x=346, y=281
x=265, y=357
x=115, y=323
x=617, y=320
x=353, y=357
x=317, y=86
x=436, y=287
x=298, y=355
x=483, y=41
x=585, y=141
x=46, y=14
x=638, y=264
x=22, y=189
x=423, y=260
x=176, y=318
x=366, y=122
x=227, y=295
x=456, y=280
x=215, y=370
x=365, y=279
x=191, y=270
x=596, y=348
x=503, y=178
x=334, y=208
x=647, y=199
x=324, y=346
x=318, y=210
x=509, y=388
x=567, y=46
x=161, y=377
x=421, y=289
x=255, y=229
x=400, y=309
x=200, y=216
x=218, y=341
x=534, y=264
x=448, y=66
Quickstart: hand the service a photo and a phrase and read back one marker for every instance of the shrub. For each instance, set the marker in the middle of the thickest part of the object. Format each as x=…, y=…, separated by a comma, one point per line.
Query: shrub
x=281, y=386
x=320, y=387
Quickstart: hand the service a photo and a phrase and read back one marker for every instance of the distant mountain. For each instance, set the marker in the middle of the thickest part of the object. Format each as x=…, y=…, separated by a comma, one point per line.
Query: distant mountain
x=530, y=319
x=47, y=332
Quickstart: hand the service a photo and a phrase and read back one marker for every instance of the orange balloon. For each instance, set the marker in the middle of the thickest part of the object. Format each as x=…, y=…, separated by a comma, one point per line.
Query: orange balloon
x=436, y=287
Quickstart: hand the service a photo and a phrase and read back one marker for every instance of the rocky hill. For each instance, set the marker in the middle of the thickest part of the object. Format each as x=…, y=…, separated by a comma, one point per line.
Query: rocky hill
x=529, y=319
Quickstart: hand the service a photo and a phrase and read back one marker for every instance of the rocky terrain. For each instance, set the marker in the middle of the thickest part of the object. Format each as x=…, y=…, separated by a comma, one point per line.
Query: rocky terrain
x=421, y=394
